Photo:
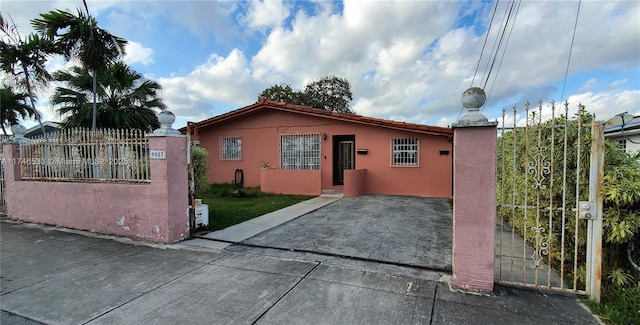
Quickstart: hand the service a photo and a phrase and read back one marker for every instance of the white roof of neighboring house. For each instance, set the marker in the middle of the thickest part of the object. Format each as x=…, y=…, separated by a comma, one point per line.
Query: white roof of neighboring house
x=36, y=129
x=633, y=127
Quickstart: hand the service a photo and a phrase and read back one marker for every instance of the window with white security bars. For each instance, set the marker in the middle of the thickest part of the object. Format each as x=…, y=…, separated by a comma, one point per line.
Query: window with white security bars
x=622, y=145
x=230, y=148
x=404, y=152
x=300, y=151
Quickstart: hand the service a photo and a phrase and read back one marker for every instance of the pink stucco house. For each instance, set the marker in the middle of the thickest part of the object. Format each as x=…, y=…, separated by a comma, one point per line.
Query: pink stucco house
x=290, y=149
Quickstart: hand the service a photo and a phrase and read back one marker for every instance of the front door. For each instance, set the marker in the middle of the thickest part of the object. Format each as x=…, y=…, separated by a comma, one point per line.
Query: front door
x=343, y=156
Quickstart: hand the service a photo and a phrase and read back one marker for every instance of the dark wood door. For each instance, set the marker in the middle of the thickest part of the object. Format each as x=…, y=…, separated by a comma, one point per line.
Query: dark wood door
x=343, y=156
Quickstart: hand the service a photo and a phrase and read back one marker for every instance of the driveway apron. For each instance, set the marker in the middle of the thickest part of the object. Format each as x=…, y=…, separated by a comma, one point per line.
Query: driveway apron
x=402, y=230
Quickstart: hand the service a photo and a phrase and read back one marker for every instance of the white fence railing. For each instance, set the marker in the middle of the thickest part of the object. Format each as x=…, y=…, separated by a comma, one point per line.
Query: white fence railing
x=2, y=163
x=81, y=155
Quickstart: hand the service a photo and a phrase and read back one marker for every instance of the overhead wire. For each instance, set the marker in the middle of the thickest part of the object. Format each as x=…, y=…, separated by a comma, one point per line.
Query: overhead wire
x=486, y=37
x=495, y=56
x=566, y=73
x=495, y=47
x=504, y=51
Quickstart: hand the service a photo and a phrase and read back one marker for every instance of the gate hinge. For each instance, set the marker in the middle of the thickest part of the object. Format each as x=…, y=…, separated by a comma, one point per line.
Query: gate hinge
x=586, y=210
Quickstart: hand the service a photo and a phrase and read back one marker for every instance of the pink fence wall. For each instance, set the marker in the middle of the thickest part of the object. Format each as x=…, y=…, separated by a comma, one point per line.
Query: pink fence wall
x=155, y=211
x=355, y=182
x=281, y=181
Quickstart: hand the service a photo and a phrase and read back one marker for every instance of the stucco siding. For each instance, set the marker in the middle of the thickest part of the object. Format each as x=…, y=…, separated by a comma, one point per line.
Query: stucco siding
x=260, y=134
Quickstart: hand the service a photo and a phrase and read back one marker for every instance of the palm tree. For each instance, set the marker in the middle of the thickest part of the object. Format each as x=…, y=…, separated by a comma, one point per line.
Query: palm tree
x=79, y=37
x=25, y=60
x=13, y=106
x=125, y=99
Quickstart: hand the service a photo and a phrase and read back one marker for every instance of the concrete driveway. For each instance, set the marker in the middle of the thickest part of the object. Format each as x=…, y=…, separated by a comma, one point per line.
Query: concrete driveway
x=392, y=230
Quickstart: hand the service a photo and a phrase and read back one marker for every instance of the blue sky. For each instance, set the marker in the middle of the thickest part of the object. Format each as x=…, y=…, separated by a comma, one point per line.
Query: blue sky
x=407, y=61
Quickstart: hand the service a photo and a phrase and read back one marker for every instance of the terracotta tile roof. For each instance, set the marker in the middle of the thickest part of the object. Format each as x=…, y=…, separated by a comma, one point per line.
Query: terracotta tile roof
x=281, y=106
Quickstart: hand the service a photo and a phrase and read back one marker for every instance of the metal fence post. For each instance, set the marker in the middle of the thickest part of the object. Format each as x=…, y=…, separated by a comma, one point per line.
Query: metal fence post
x=594, y=231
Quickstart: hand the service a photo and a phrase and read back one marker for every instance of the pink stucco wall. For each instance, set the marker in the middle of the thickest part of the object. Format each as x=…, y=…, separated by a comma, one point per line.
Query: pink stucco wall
x=260, y=133
x=474, y=208
x=299, y=182
x=355, y=182
x=155, y=211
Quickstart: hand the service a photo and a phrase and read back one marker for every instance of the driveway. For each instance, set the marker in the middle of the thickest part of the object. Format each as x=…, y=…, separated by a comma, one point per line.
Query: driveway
x=397, y=230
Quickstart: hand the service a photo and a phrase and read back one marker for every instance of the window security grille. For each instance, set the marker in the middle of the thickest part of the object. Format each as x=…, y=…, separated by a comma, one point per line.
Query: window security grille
x=230, y=148
x=622, y=145
x=404, y=152
x=300, y=151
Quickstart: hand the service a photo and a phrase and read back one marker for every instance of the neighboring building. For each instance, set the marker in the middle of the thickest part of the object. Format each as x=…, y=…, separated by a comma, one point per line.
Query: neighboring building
x=50, y=127
x=292, y=149
x=627, y=137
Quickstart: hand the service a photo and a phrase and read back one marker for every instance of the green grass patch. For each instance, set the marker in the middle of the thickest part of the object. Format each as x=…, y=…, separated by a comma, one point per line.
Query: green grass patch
x=230, y=205
x=619, y=306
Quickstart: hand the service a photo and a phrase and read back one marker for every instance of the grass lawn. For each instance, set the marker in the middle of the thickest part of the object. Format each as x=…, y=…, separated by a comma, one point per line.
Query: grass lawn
x=230, y=205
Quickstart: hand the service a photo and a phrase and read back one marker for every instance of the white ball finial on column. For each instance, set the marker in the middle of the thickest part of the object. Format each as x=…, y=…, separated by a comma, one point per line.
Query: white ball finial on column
x=166, y=120
x=472, y=99
x=18, y=132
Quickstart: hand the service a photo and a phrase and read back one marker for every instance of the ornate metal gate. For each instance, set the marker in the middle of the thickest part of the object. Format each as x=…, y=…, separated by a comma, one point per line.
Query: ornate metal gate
x=549, y=207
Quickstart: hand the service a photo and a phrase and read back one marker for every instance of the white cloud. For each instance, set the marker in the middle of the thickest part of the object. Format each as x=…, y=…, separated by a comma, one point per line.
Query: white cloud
x=221, y=79
x=266, y=14
x=609, y=103
x=136, y=53
x=409, y=60
x=377, y=46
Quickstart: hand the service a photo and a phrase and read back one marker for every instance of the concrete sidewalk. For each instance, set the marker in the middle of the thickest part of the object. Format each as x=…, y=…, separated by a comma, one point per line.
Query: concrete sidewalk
x=58, y=277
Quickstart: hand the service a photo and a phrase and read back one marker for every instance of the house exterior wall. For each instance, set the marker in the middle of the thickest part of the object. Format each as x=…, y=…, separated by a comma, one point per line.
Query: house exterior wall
x=298, y=182
x=260, y=134
x=630, y=147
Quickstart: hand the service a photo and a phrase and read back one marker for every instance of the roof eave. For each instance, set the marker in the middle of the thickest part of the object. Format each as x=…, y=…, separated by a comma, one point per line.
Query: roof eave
x=362, y=120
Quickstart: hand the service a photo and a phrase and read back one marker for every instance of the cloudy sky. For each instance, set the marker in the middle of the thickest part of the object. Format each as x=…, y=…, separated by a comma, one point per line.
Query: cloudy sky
x=406, y=60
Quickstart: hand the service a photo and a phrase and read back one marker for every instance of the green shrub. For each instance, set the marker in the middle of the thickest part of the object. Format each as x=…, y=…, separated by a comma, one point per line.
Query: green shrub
x=199, y=168
x=619, y=306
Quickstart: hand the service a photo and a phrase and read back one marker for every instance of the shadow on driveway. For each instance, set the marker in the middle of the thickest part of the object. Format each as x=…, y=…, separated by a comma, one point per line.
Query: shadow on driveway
x=402, y=230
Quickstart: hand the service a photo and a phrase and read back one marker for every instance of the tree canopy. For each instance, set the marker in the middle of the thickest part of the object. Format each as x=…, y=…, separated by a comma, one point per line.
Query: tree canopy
x=78, y=37
x=329, y=93
x=24, y=60
x=125, y=99
x=122, y=98
x=13, y=106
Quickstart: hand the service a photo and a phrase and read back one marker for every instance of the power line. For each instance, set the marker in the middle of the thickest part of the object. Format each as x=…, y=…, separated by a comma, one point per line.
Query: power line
x=486, y=36
x=515, y=17
x=494, y=48
x=566, y=73
x=498, y=43
x=495, y=56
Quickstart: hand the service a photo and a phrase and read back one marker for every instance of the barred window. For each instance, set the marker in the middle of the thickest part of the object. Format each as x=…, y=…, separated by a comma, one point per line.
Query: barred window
x=230, y=148
x=300, y=151
x=404, y=152
x=622, y=145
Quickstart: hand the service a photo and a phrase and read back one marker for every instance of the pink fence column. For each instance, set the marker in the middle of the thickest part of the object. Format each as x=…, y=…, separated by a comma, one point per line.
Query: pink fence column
x=474, y=197
x=169, y=177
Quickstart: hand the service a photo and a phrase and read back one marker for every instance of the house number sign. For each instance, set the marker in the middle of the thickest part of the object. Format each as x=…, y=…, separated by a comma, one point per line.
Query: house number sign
x=158, y=154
